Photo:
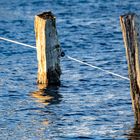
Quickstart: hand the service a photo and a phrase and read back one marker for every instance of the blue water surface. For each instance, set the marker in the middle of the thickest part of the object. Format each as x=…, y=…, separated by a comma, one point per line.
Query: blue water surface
x=89, y=104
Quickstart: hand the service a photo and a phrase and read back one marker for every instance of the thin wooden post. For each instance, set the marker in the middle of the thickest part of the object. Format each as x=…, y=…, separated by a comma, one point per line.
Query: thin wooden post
x=130, y=24
x=48, y=49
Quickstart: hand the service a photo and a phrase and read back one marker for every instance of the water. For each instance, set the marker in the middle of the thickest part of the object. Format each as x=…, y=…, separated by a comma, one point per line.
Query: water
x=89, y=104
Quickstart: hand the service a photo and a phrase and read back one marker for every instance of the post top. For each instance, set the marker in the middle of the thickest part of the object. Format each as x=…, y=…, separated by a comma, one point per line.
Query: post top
x=46, y=15
x=130, y=14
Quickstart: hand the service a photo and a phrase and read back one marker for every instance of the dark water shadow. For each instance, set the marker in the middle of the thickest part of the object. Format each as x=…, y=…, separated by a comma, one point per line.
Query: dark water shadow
x=48, y=96
x=134, y=133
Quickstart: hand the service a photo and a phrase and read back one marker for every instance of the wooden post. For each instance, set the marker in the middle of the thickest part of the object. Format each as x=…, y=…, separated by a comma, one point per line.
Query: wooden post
x=130, y=24
x=48, y=49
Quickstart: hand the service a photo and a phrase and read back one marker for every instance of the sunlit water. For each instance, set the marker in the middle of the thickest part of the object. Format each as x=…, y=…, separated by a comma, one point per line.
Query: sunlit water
x=89, y=104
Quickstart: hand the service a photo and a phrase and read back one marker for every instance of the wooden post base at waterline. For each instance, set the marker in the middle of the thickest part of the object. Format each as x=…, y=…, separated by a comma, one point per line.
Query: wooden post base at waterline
x=48, y=49
x=130, y=24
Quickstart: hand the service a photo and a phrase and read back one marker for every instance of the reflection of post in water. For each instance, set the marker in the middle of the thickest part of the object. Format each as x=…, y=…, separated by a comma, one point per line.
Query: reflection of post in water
x=135, y=133
x=47, y=96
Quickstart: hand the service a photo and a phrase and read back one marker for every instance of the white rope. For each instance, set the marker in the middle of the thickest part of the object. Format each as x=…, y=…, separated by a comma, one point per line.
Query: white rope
x=69, y=57
x=16, y=42
x=109, y=72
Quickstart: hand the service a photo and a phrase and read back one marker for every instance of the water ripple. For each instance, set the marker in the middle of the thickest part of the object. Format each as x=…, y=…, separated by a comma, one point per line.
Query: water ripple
x=88, y=104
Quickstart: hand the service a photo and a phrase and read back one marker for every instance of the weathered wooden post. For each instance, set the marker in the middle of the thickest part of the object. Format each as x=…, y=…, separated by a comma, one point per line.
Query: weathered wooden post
x=130, y=24
x=48, y=49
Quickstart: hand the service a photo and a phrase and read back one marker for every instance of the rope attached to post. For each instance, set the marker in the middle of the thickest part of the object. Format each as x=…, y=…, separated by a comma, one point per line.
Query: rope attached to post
x=106, y=71
x=69, y=57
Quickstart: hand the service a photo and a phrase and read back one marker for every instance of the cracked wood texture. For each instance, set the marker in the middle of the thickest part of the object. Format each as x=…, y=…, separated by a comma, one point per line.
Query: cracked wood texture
x=48, y=49
x=130, y=24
